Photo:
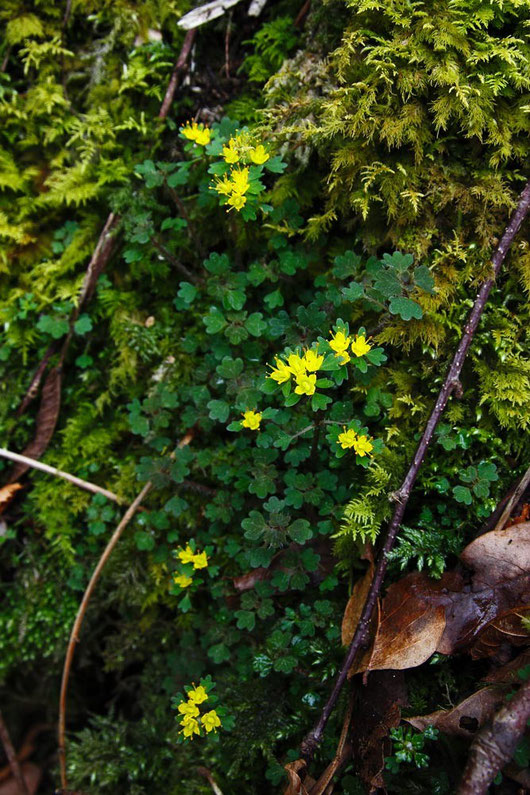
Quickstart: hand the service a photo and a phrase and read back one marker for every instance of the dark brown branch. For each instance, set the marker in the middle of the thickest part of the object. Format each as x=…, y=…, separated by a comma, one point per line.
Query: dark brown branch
x=361, y=636
x=494, y=745
x=168, y=256
x=180, y=66
x=12, y=757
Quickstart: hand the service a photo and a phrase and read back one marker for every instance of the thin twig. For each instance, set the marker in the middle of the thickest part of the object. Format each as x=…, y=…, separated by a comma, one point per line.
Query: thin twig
x=495, y=744
x=361, y=635
x=167, y=255
x=3, y=67
x=205, y=773
x=83, y=484
x=179, y=67
x=74, y=635
x=519, y=490
x=12, y=757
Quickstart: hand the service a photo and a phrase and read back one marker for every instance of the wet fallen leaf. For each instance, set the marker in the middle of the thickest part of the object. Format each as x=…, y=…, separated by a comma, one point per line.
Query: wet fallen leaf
x=475, y=611
x=377, y=710
x=408, y=632
x=508, y=673
x=7, y=493
x=467, y=717
x=46, y=421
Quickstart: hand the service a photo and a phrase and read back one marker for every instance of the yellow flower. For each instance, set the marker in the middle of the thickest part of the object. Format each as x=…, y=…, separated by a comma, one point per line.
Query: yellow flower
x=339, y=343
x=203, y=137
x=305, y=384
x=312, y=361
x=359, y=346
x=281, y=373
x=198, y=695
x=229, y=152
x=190, y=131
x=251, y=419
x=224, y=186
x=186, y=555
x=347, y=439
x=191, y=727
x=237, y=200
x=259, y=155
x=183, y=580
x=188, y=709
x=197, y=132
x=210, y=720
x=297, y=365
x=363, y=446
x=200, y=560
x=240, y=180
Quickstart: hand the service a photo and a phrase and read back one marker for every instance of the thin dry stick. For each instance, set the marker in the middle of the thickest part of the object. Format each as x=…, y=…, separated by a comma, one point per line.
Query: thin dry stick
x=521, y=488
x=361, y=636
x=495, y=744
x=179, y=67
x=83, y=484
x=12, y=757
x=74, y=635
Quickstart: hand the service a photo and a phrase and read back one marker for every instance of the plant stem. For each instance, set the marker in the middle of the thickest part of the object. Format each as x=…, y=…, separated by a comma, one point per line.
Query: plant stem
x=83, y=484
x=180, y=66
x=518, y=491
x=74, y=635
x=401, y=497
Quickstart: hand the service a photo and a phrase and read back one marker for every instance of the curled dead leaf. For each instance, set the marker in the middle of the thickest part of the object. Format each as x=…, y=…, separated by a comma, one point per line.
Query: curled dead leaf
x=508, y=673
x=47, y=417
x=296, y=786
x=506, y=628
x=7, y=493
x=466, y=718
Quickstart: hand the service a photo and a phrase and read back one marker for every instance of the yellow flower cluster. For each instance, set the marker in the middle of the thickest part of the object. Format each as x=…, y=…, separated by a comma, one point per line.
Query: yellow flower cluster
x=235, y=185
x=340, y=343
x=197, y=133
x=187, y=555
x=241, y=150
x=251, y=419
x=361, y=444
x=191, y=715
x=303, y=368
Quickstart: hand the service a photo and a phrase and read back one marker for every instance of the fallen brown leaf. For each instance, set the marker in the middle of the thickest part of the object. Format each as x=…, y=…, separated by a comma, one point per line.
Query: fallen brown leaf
x=7, y=493
x=355, y=605
x=467, y=717
x=408, y=633
x=508, y=673
x=46, y=421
